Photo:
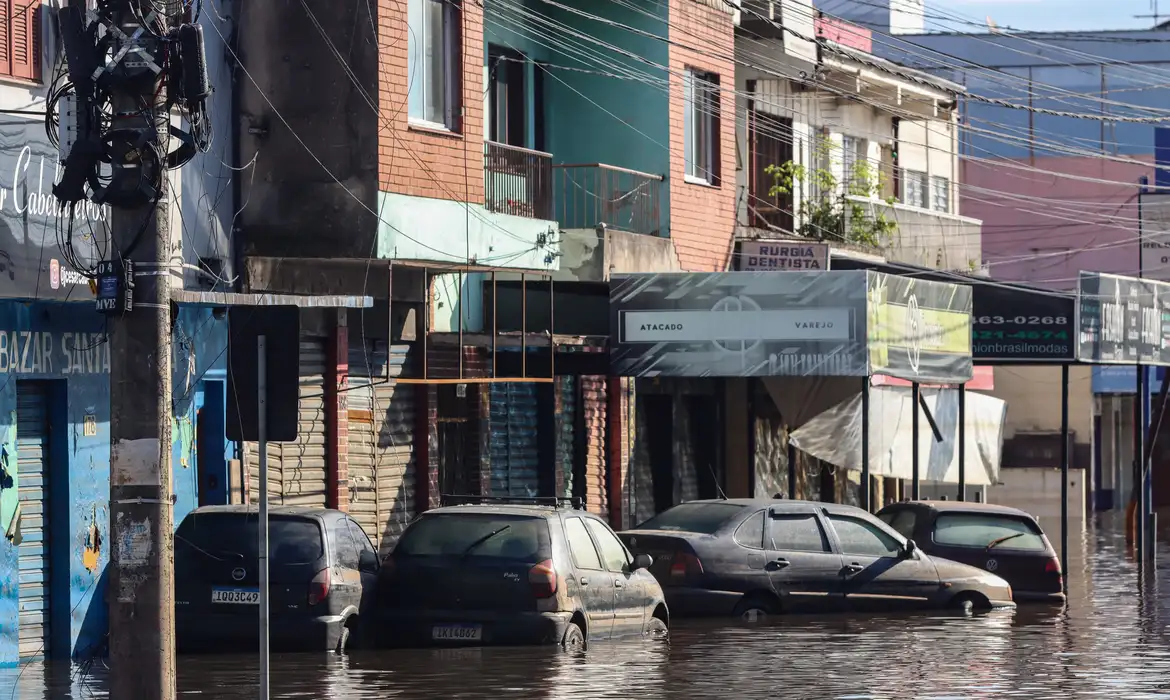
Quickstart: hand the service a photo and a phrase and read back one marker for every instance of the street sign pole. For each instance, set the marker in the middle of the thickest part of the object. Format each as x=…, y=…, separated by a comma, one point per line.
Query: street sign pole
x=262, y=446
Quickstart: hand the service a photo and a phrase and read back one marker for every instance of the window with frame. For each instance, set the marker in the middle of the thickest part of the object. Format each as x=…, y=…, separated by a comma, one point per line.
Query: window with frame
x=854, y=151
x=799, y=532
x=750, y=533
x=434, y=63
x=701, y=126
x=612, y=550
x=20, y=48
x=914, y=188
x=903, y=520
x=863, y=539
x=940, y=194
x=982, y=530
x=585, y=555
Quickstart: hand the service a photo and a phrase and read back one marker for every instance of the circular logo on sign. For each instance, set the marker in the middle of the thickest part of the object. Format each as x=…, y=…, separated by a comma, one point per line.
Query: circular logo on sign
x=914, y=327
x=238, y=574
x=733, y=304
x=54, y=274
x=992, y=565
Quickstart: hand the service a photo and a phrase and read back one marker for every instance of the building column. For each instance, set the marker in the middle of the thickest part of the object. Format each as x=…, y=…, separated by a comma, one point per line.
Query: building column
x=615, y=450
x=337, y=413
x=426, y=447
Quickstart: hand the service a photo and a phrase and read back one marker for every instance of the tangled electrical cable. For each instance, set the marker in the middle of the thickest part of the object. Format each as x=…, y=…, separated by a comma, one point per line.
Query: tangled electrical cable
x=108, y=102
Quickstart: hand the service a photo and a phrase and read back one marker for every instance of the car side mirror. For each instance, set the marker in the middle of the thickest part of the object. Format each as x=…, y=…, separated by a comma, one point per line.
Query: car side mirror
x=909, y=549
x=368, y=562
x=642, y=561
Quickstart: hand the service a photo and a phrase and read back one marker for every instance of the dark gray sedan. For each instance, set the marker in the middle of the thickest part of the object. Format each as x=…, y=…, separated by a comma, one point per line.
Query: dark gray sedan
x=754, y=557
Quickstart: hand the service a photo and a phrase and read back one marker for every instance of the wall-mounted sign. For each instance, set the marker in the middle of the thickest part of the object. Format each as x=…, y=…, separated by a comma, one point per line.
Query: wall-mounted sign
x=1155, y=228
x=783, y=256
x=1123, y=320
x=1012, y=324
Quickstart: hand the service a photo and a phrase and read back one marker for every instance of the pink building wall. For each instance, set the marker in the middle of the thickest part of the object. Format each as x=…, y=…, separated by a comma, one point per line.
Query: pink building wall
x=1045, y=228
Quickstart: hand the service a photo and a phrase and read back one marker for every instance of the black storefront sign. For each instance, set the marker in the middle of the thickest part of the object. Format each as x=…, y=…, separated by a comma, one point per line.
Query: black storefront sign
x=1123, y=320
x=1011, y=324
x=33, y=226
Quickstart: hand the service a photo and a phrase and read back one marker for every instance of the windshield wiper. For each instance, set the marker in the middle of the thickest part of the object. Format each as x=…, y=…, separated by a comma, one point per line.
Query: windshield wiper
x=995, y=543
x=206, y=553
x=483, y=539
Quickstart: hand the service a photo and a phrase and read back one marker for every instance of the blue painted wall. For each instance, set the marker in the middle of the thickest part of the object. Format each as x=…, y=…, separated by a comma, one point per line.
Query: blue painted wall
x=64, y=343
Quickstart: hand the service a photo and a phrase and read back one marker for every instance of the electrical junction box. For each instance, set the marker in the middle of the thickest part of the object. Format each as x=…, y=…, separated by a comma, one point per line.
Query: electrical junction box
x=67, y=125
x=114, y=286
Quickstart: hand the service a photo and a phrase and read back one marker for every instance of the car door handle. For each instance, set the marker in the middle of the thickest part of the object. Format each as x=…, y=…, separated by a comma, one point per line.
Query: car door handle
x=584, y=582
x=851, y=569
x=618, y=583
x=777, y=564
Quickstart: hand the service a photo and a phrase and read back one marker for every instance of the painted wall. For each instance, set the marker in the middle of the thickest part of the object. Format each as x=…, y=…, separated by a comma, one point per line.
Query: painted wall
x=64, y=344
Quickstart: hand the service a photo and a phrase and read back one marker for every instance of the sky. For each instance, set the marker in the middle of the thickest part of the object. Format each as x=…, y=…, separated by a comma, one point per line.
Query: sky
x=1043, y=15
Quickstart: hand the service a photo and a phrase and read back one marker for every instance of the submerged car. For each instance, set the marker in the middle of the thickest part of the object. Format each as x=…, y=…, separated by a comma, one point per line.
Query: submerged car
x=322, y=572
x=515, y=571
x=1003, y=540
x=751, y=558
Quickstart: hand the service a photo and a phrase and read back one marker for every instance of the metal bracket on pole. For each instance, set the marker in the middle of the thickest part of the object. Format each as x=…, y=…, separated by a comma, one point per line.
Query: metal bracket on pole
x=262, y=446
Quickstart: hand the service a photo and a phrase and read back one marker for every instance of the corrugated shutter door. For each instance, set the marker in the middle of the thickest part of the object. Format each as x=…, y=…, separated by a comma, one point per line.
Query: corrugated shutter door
x=297, y=470
x=566, y=421
x=594, y=404
x=381, y=447
x=32, y=438
x=514, y=455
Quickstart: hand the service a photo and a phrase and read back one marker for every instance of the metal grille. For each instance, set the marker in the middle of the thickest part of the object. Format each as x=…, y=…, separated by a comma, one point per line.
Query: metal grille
x=32, y=448
x=593, y=404
x=514, y=451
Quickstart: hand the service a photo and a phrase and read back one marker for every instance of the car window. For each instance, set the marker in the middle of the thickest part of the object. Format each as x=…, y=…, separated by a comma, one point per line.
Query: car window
x=360, y=538
x=585, y=555
x=347, y=548
x=613, y=552
x=902, y=520
x=866, y=539
x=799, y=532
x=982, y=529
x=477, y=535
x=750, y=532
x=702, y=518
x=290, y=540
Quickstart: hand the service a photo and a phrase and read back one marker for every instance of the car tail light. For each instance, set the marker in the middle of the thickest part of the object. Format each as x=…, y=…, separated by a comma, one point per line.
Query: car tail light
x=685, y=564
x=543, y=579
x=1052, y=566
x=319, y=587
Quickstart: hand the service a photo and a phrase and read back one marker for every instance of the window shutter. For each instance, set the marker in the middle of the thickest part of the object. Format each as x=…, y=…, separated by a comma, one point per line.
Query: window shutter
x=25, y=30
x=5, y=37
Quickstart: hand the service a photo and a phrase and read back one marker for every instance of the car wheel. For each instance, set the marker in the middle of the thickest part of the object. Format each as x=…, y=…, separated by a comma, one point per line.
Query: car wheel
x=574, y=638
x=344, y=637
x=969, y=603
x=656, y=629
x=756, y=609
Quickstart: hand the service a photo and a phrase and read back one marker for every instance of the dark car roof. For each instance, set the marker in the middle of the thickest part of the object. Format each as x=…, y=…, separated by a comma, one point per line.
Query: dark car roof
x=301, y=511
x=781, y=504
x=962, y=507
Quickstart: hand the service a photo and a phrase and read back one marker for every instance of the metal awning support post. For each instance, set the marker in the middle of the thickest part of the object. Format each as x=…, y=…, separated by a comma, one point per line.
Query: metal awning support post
x=1141, y=407
x=866, y=487
x=1064, y=473
x=262, y=525
x=962, y=442
x=1157, y=415
x=915, y=397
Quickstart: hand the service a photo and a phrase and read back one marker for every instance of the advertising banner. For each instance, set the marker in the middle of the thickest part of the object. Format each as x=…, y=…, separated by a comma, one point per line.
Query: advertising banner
x=1123, y=320
x=775, y=324
x=919, y=330
x=1011, y=324
x=738, y=324
x=34, y=231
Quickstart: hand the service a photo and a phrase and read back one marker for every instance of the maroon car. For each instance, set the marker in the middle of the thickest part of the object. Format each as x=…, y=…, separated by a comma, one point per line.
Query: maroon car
x=1005, y=541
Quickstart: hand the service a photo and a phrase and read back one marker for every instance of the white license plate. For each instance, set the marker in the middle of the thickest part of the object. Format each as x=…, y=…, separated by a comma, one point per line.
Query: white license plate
x=236, y=596
x=457, y=633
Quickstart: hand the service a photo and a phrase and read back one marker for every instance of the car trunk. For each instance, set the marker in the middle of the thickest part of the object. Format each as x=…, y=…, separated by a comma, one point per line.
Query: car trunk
x=466, y=562
x=217, y=567
x=666, y=548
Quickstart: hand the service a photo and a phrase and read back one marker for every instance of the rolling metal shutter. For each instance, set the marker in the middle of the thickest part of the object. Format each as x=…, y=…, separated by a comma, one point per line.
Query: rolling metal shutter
x=381, y=445
x=594, y=403
x=566, y=423
x=514, y=454
x=32, y=451
x=297, y=470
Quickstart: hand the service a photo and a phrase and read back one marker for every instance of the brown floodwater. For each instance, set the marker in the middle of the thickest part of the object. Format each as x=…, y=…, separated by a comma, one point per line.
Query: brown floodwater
x=1112, y=640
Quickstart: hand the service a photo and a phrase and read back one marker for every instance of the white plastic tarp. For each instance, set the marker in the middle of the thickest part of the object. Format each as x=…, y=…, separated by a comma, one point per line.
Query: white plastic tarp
x=834, y=436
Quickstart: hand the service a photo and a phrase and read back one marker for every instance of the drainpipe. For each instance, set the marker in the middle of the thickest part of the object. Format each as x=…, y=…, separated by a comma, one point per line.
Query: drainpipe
x=237, y=249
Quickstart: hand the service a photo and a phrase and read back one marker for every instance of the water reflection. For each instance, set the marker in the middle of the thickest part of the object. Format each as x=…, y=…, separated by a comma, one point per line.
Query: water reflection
x=1110, y=641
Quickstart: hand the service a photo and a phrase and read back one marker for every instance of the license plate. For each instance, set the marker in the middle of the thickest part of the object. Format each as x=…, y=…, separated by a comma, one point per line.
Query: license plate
x=457, y=633
x=235, y=596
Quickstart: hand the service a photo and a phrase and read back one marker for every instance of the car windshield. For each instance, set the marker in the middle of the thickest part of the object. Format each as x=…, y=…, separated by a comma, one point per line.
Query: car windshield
x=702, y=518
x=475, y=535
x=984, y=530
x=237, y=536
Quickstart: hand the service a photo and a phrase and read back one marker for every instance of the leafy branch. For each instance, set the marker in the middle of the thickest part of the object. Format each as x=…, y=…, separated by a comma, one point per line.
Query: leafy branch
x=827, y=213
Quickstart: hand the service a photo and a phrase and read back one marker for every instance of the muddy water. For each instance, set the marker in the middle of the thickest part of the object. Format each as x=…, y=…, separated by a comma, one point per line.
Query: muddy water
x=1112, y=640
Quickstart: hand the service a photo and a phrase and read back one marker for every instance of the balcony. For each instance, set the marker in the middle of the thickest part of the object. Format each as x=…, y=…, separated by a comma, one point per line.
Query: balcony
x=924, y=237
x=517, y=181
x=591, y=194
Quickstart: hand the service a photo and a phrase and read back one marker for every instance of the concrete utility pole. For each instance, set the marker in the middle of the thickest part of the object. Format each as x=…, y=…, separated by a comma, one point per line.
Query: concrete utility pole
x=141, y=585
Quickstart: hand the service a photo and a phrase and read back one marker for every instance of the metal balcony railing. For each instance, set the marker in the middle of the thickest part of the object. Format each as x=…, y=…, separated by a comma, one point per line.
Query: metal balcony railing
x=590, y=194
x=517, y=181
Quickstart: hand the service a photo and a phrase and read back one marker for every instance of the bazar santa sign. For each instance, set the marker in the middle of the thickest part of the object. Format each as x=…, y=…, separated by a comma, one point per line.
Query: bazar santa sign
x=770, y=324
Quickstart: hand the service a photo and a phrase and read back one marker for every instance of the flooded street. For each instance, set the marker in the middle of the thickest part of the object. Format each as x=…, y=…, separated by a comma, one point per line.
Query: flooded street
x=1111, y=641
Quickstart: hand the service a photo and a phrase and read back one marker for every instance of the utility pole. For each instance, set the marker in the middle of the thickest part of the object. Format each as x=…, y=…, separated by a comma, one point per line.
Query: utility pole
x=142, y=586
